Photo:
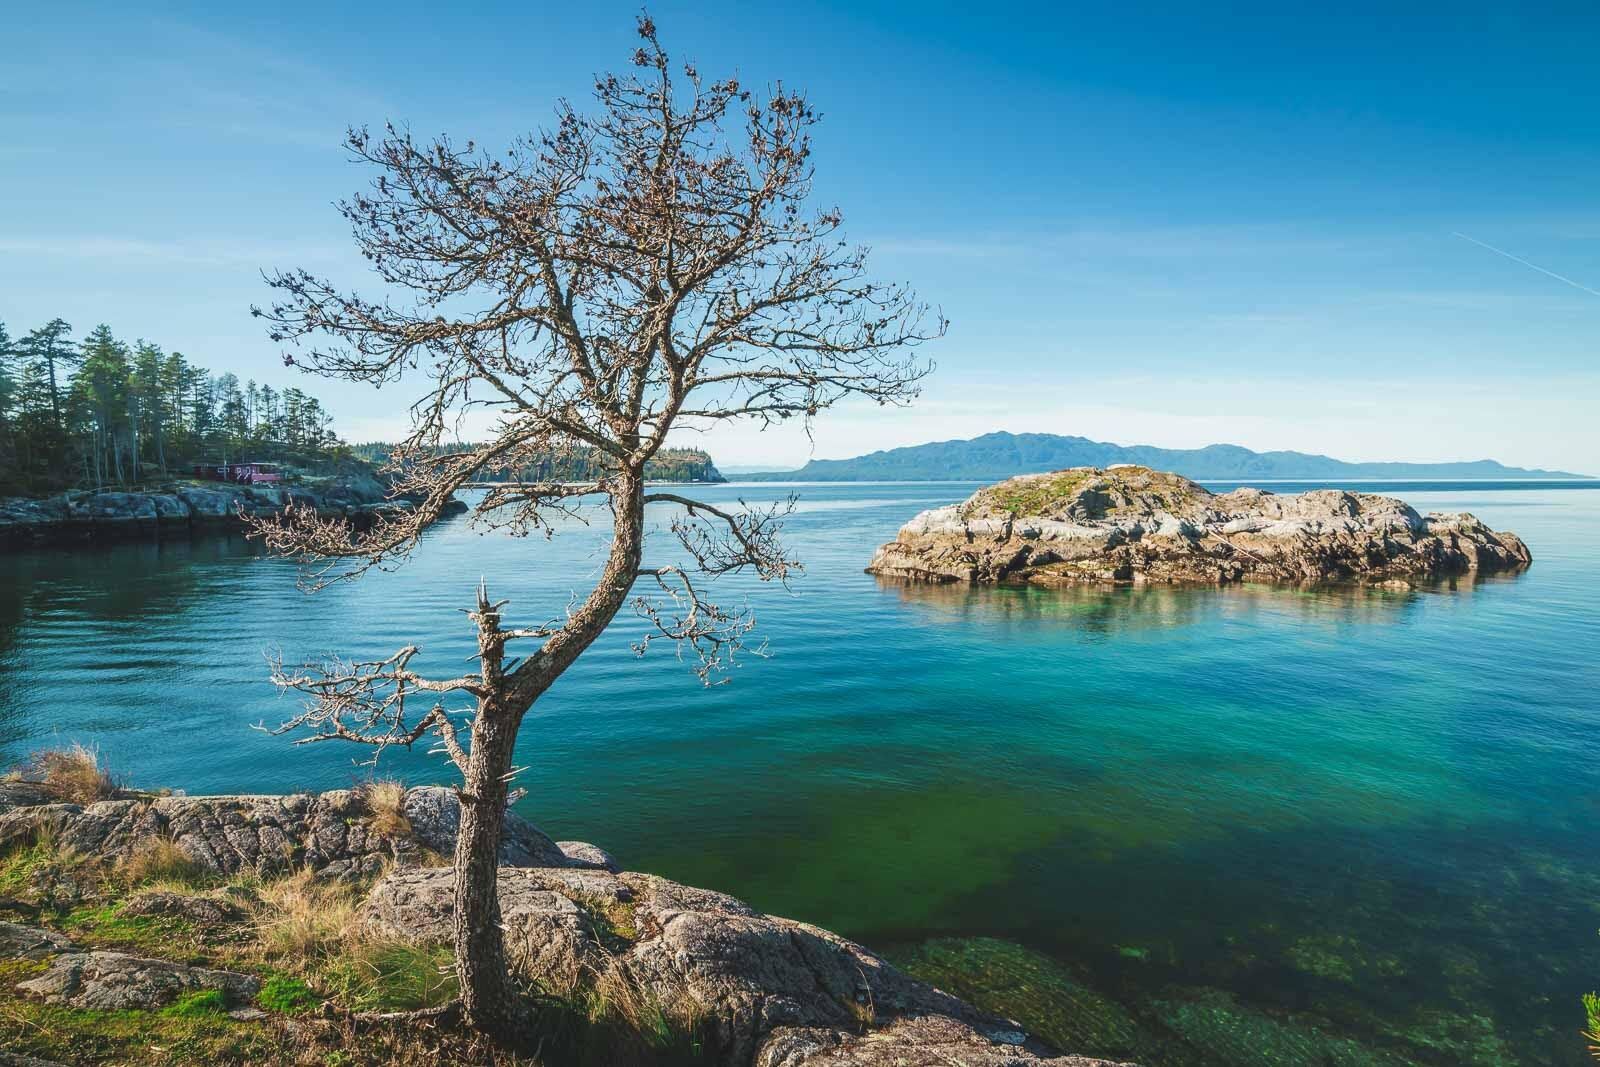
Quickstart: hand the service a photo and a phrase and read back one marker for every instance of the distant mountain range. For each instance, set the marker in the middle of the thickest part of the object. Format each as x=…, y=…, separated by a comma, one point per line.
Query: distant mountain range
x=1001, y=455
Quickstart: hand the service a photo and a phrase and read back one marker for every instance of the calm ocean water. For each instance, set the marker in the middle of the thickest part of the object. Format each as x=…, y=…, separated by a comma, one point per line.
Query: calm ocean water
x=1256, y=825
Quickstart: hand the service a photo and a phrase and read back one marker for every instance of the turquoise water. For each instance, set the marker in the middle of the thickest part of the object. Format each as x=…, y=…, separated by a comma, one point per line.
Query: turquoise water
x=1268, y=825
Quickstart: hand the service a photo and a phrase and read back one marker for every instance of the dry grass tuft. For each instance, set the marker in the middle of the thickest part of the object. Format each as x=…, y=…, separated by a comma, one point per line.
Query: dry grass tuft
x=635, y=1016
x=68, y=775
x=159, y=859
x=300, y=918
x=386, y=800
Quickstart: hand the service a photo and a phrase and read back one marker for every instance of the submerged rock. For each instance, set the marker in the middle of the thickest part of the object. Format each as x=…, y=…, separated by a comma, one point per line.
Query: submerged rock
x=1133, y=524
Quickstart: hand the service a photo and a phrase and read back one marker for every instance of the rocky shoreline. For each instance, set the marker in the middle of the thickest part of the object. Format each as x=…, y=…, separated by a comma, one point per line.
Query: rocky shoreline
x=184, y=508
x=1133, y=524
x=771, y=992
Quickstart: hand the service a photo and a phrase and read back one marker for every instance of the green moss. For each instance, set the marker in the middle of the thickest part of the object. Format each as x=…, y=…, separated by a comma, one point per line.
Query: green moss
x=614, y=921
x=199, y=1003
x=105, y=925
x=69, y=1035
x=13, y=971
x=286, y=994
x=1033, y=495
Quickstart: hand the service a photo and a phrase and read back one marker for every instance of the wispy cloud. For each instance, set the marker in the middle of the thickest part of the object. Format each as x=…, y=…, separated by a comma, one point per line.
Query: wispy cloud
x=1531, y=266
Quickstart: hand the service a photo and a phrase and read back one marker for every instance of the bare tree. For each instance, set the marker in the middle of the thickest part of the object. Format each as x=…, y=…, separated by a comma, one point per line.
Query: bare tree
x=650, y=266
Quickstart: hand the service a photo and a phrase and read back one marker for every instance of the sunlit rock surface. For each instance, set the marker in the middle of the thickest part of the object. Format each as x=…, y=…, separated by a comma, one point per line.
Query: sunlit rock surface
x=1133, y=524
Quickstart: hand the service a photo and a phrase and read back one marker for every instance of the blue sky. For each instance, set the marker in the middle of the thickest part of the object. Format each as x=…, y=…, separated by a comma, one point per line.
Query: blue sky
x=1170, y=227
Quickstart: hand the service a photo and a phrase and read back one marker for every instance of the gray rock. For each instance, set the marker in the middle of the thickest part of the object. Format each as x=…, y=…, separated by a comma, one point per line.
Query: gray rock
x=435, y=816
x=169, y=508
x=1132, y=524
x=268, y=835
x=30, y=943
x=203, y=911
x=112, y=508
x=209, y=505
x=583, y=854
x=773, y=991
x=114, y=981
x=18, y=1059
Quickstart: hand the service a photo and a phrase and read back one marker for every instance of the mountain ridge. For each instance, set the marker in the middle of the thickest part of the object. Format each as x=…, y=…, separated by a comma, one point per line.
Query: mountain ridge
x=1002, y=454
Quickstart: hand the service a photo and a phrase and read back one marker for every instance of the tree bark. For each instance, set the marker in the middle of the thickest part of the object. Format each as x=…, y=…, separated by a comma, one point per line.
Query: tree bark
x=489, y=999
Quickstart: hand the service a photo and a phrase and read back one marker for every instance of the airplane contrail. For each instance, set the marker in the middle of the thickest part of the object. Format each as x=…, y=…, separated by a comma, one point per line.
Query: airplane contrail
x=1525, y=263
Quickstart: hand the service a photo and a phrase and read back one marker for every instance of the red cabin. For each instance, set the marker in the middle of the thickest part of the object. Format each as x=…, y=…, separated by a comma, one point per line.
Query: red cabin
x=241, y=473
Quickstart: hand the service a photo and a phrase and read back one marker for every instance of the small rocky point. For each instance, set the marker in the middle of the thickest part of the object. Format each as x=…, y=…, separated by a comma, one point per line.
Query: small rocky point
x=189, y=507
x=1133, y=524
x=774, y=992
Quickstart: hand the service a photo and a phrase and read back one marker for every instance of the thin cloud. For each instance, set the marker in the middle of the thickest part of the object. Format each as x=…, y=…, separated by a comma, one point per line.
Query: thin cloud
x=1525, y=263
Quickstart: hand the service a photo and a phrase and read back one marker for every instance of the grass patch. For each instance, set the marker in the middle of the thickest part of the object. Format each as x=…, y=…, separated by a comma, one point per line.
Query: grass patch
x=300, y=918
x=20, y=865
x=159, y=859
x=1032, y=494
x=386, y=801
x=48, y=875
x=68, y=775
x=613, y=1021
x=391, y=976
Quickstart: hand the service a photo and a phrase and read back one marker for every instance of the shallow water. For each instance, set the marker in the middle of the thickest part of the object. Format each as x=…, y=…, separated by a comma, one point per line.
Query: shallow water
x=1362, y=819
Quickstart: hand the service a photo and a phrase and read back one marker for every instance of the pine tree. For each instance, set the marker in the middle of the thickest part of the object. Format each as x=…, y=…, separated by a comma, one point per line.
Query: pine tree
x=147, y=405
x=101, y=394
x=49, y=349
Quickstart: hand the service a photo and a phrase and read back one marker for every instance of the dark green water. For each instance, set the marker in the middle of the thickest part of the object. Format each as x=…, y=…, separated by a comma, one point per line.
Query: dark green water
x=1226, y=826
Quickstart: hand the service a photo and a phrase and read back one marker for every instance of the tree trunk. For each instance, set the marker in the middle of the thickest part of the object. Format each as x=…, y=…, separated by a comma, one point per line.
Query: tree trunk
x=489, y=999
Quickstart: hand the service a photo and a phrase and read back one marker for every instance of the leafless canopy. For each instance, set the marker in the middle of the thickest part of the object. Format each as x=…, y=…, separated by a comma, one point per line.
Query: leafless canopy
x=649, y=266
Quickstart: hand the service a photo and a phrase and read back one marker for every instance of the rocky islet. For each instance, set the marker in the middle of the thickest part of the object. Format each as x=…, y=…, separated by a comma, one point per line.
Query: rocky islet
x=1133, y=524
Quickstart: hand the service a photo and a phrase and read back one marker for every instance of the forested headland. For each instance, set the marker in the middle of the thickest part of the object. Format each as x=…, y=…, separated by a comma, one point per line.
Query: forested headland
x=101, y=412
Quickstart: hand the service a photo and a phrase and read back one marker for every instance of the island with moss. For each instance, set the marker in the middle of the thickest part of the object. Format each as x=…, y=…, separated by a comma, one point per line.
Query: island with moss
x=1134, y=524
